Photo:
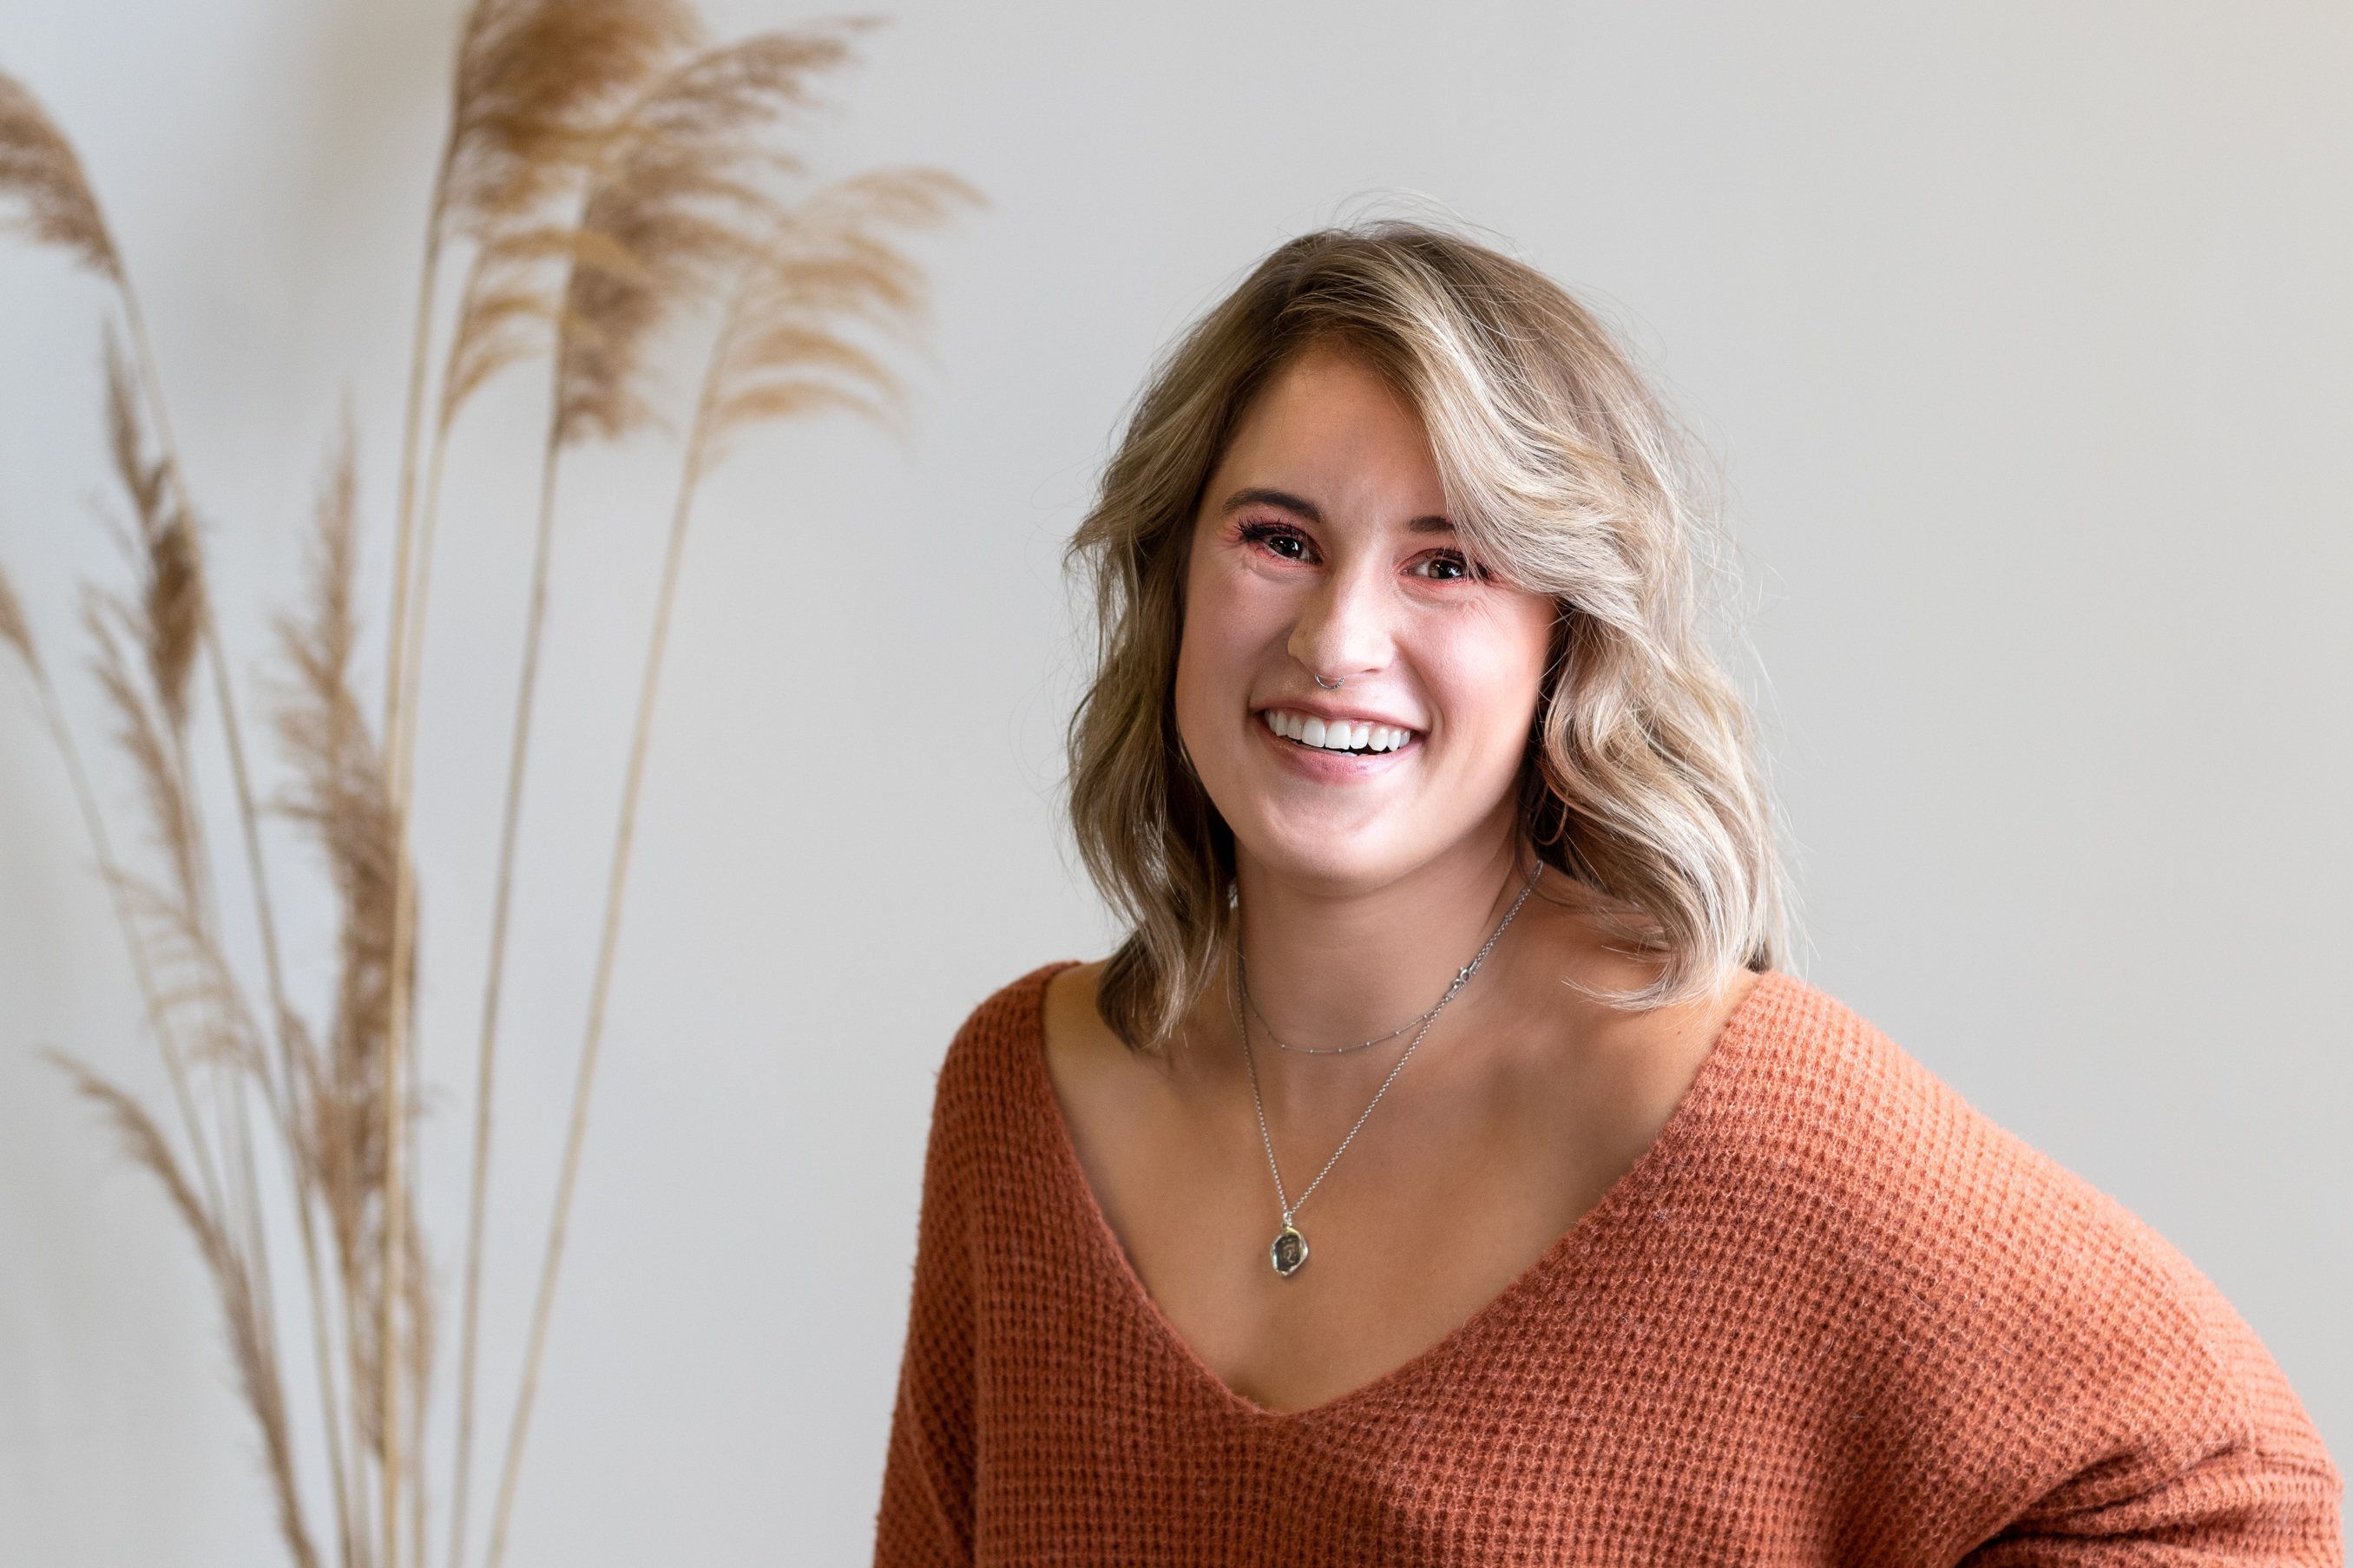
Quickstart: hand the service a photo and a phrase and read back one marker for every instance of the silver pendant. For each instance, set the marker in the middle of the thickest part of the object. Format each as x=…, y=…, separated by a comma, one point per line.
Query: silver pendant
x=1288, y=1251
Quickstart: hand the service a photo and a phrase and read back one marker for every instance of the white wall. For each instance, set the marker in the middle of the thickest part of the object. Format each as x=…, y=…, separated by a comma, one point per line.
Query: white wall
x=2022, y=333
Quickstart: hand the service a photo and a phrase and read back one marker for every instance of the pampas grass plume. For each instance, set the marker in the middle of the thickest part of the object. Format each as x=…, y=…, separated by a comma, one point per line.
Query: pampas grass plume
x=171, y=610
x=680, y=198
x=39, y=168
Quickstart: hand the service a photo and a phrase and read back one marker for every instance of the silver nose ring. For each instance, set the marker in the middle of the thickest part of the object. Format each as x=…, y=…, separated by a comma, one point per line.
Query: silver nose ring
x=1329, y=685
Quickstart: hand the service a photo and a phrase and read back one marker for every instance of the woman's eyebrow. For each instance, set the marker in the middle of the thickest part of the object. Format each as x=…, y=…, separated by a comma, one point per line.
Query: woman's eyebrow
x=1284, y=499
x=1260, y=496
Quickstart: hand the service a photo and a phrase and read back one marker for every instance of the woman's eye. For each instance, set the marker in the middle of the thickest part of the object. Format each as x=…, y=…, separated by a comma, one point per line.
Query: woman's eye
x=1287, y=543
x=1443, y=565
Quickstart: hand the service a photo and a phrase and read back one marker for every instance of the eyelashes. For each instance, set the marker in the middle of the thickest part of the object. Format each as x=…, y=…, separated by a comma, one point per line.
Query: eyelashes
x=1286, y=541
x=1457, y=567
x=1272, y=537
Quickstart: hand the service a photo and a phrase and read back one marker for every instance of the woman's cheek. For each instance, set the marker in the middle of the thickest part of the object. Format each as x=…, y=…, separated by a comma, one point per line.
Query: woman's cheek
x=1484, y=682
x=1208, y=683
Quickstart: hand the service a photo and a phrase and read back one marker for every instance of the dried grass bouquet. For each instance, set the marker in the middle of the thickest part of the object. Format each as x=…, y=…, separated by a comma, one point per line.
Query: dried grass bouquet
x=610, y=178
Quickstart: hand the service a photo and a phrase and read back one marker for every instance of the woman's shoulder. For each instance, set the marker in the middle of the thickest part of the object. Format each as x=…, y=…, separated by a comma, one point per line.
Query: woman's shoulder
x=1001, y=1042
x=1948, y=1257
x=988, y=1103
x=1814, y=1090
x=1876, y=1155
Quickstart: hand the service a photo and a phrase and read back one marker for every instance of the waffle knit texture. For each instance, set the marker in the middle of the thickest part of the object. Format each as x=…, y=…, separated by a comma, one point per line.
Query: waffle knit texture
x=1831, y=1316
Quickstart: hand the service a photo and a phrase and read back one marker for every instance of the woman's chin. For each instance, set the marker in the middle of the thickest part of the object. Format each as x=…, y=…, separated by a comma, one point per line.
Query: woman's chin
x=1333, y=858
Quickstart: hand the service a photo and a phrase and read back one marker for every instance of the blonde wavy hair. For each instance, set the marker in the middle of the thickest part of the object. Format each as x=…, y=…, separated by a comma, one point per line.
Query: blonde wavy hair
x=1563, y=475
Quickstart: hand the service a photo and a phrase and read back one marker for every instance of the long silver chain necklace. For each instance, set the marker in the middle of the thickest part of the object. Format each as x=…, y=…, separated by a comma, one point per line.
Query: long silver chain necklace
x=1289, y=1248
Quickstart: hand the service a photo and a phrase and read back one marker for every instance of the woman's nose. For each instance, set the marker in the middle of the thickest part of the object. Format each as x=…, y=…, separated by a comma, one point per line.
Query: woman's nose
x=1343, y=629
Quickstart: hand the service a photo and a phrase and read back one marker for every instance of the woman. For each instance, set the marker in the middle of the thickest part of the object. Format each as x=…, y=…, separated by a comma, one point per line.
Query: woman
x=1441, y=1172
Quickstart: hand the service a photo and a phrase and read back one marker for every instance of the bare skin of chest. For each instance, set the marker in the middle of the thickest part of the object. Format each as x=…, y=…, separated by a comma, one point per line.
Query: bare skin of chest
x=1524, y=1107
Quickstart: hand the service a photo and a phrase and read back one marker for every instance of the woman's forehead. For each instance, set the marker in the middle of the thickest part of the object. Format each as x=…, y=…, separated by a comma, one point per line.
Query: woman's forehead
x=1329, y=439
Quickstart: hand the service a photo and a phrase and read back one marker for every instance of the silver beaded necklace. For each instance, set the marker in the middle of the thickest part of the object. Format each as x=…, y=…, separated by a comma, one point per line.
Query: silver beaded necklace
x=1289, y=1248
x=1241, y=967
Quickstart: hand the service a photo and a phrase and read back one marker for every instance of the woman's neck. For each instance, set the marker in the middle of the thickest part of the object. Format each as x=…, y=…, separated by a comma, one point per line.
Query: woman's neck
x=1329, y=968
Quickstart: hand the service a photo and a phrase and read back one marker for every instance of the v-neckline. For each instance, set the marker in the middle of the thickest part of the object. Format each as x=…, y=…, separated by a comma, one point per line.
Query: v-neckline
x=1617, y=1207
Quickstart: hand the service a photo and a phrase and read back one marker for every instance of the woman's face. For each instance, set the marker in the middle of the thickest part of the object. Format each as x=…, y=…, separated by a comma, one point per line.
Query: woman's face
x=1321, y=548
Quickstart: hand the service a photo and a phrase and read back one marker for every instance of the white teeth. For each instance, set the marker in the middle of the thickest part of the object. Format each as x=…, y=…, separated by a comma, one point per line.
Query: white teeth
x=1336, y=734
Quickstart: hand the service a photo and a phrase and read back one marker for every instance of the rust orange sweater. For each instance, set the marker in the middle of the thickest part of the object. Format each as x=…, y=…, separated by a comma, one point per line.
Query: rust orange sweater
x=1832, y=1315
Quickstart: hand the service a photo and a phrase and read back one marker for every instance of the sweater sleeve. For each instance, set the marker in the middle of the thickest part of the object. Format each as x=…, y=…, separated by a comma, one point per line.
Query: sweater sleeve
x=2022, y=1372
x=2237, y=1506
x=926, y=1515
x=2245, y=1483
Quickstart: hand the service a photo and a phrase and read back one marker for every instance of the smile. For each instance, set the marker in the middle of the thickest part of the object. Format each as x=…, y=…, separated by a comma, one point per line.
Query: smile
x=1336, y=734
